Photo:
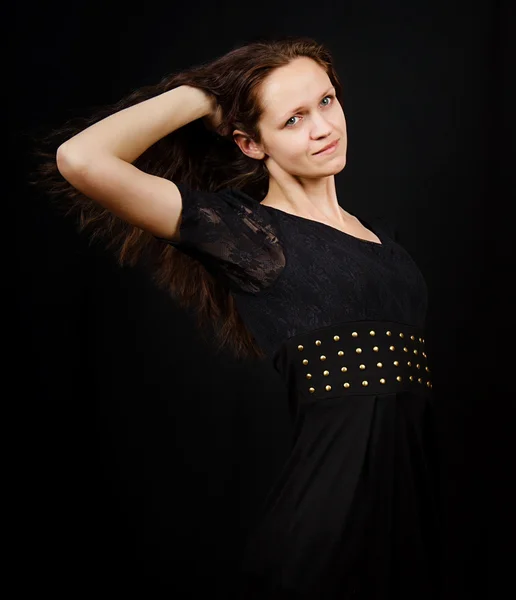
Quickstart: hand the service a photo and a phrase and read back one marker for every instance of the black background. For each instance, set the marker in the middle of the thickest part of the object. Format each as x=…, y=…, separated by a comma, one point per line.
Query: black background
x=140, y=461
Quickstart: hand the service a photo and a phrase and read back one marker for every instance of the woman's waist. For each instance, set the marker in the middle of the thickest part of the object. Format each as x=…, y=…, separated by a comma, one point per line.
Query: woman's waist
x=356, y=357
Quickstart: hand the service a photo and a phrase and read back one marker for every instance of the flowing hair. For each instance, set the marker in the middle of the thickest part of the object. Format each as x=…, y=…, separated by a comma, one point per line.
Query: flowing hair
x=193, y=155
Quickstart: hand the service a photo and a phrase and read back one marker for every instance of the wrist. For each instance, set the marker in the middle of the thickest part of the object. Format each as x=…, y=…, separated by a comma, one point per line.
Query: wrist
x=202, y=102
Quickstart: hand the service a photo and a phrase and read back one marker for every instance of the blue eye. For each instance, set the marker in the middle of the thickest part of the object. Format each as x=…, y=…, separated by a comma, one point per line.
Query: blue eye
x=330, y=97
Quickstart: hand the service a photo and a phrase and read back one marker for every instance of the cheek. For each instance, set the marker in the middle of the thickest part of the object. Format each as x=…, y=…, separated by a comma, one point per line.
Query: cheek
x=289, y=149
x=298, y=146
x=342, y=119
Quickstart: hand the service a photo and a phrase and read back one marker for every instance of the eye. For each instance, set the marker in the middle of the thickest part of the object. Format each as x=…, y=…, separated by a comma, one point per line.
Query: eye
x=289, y=122
x=329, y=98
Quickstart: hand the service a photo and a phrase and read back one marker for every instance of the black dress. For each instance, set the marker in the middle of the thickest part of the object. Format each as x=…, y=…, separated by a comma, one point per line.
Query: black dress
x=354, y=513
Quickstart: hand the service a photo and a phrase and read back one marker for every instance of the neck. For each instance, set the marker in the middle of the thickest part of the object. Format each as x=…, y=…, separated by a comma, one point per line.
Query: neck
x=320, y=194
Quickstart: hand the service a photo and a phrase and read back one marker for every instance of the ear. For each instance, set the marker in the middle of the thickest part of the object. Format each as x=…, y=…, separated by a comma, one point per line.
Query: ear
x=248, y=146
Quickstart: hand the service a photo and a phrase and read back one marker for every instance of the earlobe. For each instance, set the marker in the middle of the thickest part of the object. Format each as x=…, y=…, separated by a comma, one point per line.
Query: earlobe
x=256, y=153
x=247, y=145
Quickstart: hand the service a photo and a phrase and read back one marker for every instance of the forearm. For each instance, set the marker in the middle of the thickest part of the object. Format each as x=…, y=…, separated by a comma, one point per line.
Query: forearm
x=127, y=133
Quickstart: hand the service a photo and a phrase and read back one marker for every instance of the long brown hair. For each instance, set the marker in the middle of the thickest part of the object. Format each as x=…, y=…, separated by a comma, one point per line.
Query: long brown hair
x=193, y=155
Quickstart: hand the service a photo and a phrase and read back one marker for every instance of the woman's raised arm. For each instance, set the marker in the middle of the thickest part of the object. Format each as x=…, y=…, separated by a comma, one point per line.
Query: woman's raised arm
x=97, y=161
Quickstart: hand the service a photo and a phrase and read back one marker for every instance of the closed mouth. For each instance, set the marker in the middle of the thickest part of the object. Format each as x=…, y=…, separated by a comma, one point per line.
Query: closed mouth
x=327, y=147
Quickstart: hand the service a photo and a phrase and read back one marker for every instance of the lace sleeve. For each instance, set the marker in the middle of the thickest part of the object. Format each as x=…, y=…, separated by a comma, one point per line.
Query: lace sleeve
x=230, y=233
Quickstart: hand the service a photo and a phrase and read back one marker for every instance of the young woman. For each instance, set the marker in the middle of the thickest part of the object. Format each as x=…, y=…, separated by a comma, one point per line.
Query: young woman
x=223, y=178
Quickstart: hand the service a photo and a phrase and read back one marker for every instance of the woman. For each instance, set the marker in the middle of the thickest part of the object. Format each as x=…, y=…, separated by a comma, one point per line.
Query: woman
x=223, y=178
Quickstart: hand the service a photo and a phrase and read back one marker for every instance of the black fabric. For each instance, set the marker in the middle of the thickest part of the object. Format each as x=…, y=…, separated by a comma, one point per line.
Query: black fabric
x=227, y=233
x=355, y=512
x=350, y=515
x=290, y=275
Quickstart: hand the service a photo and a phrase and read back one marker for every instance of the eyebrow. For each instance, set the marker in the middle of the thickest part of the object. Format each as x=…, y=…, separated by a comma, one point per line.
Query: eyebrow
x=299, y=108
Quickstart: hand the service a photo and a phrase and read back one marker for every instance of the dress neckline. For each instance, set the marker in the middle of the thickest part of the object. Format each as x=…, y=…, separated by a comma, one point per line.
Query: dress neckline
x=349, y=235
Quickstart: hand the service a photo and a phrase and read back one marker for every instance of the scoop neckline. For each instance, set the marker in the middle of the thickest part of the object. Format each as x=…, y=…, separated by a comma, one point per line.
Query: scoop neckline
x=358, y=239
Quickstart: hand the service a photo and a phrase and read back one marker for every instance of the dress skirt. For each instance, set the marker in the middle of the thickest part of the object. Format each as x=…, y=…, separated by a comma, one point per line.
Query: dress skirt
x=355, y=511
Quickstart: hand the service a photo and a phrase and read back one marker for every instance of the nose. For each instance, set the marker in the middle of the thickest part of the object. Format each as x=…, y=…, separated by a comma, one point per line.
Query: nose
x=320, y=127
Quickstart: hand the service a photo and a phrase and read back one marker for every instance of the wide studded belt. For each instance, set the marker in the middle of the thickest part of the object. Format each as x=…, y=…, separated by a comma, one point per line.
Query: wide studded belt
x=356, y=358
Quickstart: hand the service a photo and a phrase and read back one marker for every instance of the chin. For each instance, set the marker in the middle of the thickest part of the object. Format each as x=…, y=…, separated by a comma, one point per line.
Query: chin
x=335, y=168
x=341, y=165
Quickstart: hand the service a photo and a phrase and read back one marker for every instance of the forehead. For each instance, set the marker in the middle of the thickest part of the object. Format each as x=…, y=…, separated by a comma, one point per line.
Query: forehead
x=298, y=83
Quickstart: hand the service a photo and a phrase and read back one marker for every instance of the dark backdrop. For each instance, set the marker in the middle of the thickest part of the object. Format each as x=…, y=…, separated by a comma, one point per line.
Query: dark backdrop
x=143, y=461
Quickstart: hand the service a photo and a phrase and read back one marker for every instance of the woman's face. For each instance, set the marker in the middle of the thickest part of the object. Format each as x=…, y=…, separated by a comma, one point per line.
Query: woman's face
x=301, y=116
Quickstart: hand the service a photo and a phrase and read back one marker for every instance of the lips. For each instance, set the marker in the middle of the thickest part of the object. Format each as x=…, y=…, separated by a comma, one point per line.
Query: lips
x=330, y=145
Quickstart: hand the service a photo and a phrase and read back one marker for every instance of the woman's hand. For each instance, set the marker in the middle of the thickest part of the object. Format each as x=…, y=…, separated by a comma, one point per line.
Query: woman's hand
x=213, y=120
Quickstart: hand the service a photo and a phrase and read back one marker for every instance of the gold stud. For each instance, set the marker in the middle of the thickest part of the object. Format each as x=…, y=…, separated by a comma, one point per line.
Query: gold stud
x=308, y=376
x=354, y=334
x=388, y=333
x=427, y=384
x=382, y=380
x=412, y=338
x=405, y=349
x=420, y=380
x=402, y=335
x=396, y=363
x=379, y=365
x=365, y=383
x=300, y=347
x=424, y=354
x=343, y=369
x=346, y=384
x=418, y=366
x=375, y=348
x=318, y=342
x=305, y=361
x=361, y=367
x=340, y=352
x=372, y=333
x=322, y=357
x=416, y=352
x=411, y=378
x=328, y=388
x=409, y=364
x=358, y=350
x=336, y=338
x=398, y=378
x=311, y=390
x=427, y=369
x=392, y=348
x=326, y=373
